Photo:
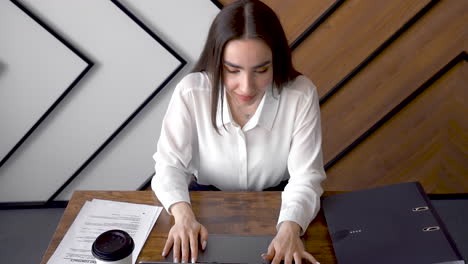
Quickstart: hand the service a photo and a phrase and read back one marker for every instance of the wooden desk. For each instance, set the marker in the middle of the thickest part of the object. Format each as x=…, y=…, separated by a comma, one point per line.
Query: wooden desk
x=242, y=213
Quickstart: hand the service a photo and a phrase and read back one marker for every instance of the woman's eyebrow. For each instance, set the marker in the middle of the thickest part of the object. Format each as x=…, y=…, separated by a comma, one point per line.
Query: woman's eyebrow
x=263, y=64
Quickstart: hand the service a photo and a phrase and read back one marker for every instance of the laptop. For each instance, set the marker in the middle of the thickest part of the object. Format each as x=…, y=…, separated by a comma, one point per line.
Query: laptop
x=229, y=249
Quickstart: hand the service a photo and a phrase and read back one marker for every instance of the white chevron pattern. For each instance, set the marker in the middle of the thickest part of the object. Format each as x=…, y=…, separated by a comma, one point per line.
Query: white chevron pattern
x=129, y=66
x=40, y=70
x=127, y=162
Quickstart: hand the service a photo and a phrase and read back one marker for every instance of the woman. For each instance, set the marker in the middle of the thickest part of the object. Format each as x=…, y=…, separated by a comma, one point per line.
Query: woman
x=244, y=119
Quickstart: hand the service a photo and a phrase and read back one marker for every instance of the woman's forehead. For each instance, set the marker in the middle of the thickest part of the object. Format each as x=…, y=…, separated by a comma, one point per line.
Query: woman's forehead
x=247, y=52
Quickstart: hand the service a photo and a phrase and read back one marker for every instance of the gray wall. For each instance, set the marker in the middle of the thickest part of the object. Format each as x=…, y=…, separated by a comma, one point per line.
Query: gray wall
x=73, y=86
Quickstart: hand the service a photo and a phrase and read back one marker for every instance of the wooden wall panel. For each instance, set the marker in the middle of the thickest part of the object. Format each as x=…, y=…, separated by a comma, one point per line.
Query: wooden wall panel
x=350, y=35
x=411, y=60
x=427, y=141
x=296, y=15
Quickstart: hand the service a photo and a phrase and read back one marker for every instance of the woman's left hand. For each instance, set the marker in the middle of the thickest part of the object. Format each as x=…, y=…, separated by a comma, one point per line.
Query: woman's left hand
x=287, y=246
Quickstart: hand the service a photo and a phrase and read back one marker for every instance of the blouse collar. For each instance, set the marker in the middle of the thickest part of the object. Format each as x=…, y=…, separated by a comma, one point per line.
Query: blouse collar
x=264, y=115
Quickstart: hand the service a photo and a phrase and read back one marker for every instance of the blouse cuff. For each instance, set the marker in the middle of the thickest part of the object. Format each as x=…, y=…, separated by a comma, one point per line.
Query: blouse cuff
x=167, y=199
x=294, y=214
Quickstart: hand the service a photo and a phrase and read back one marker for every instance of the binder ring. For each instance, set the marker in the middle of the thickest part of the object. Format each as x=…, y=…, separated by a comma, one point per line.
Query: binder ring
x=421, y=208
x=431, y=228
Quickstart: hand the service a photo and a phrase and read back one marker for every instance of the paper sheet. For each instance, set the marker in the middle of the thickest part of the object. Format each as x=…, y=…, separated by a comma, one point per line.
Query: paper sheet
x=98, y=216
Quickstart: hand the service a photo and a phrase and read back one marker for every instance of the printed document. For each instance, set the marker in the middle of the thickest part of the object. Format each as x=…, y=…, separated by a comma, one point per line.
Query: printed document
x=98, y=216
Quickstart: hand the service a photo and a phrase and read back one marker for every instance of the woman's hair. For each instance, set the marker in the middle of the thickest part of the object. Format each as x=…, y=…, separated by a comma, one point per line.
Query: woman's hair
x=244, y=19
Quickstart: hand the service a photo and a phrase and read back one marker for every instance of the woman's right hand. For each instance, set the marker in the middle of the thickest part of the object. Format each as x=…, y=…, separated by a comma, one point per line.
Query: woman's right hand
x=183, y=236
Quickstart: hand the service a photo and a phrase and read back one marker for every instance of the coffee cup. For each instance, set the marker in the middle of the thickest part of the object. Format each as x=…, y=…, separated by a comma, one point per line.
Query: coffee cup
x=113, y=247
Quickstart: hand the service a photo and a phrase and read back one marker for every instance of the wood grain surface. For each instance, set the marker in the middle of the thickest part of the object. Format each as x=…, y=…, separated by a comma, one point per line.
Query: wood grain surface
x=350, y=35
x=241, y=213
x=427, y=141
x=404, y=66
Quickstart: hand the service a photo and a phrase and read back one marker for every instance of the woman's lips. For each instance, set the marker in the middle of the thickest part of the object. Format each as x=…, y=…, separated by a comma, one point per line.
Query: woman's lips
x=245, y=98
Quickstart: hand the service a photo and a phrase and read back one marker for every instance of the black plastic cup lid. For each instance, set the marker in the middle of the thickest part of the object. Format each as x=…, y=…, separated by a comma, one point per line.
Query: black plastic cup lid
x=113, y=245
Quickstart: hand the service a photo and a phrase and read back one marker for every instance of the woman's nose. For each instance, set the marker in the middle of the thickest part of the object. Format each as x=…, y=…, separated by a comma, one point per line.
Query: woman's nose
x=247, y=84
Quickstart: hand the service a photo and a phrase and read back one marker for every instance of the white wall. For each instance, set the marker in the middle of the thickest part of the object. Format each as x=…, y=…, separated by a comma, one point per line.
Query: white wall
x=129, y=67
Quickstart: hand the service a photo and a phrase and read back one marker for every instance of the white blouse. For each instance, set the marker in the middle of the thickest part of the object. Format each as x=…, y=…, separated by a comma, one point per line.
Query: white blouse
x=281, y=141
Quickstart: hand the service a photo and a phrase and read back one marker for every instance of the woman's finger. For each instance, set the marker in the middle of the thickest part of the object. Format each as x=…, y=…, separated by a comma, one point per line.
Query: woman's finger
x=309, y=257
x=194, y=247
x=297, y=258
x=185, y=248
x=270, y=254
x=176, y=249
x=276, y=259
x=203, y=237
x=288, y=258
x=278, y=254
x=271, y=251
x=168, y=245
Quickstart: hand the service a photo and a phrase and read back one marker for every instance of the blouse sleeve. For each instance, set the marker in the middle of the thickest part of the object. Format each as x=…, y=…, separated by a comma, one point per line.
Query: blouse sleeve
x=301, y=196
x=174, y=150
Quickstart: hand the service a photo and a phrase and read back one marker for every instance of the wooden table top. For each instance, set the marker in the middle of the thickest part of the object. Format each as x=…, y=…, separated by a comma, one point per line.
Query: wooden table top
x=241, y=213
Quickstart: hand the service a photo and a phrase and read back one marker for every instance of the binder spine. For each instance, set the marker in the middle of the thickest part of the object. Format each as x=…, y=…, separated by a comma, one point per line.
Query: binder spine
x=441, y=226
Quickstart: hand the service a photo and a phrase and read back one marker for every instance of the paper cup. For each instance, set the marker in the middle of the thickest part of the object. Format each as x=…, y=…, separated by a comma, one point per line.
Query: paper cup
x=113, y=247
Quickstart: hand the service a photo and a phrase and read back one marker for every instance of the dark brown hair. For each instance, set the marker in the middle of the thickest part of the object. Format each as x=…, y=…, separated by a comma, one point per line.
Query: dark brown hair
x=244, y=19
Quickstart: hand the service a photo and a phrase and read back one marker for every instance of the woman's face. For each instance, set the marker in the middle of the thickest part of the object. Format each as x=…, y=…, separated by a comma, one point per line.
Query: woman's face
x=247, y=70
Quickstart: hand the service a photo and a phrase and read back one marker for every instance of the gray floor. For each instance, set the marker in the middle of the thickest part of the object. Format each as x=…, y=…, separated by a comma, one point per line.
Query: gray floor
x=25, y=234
